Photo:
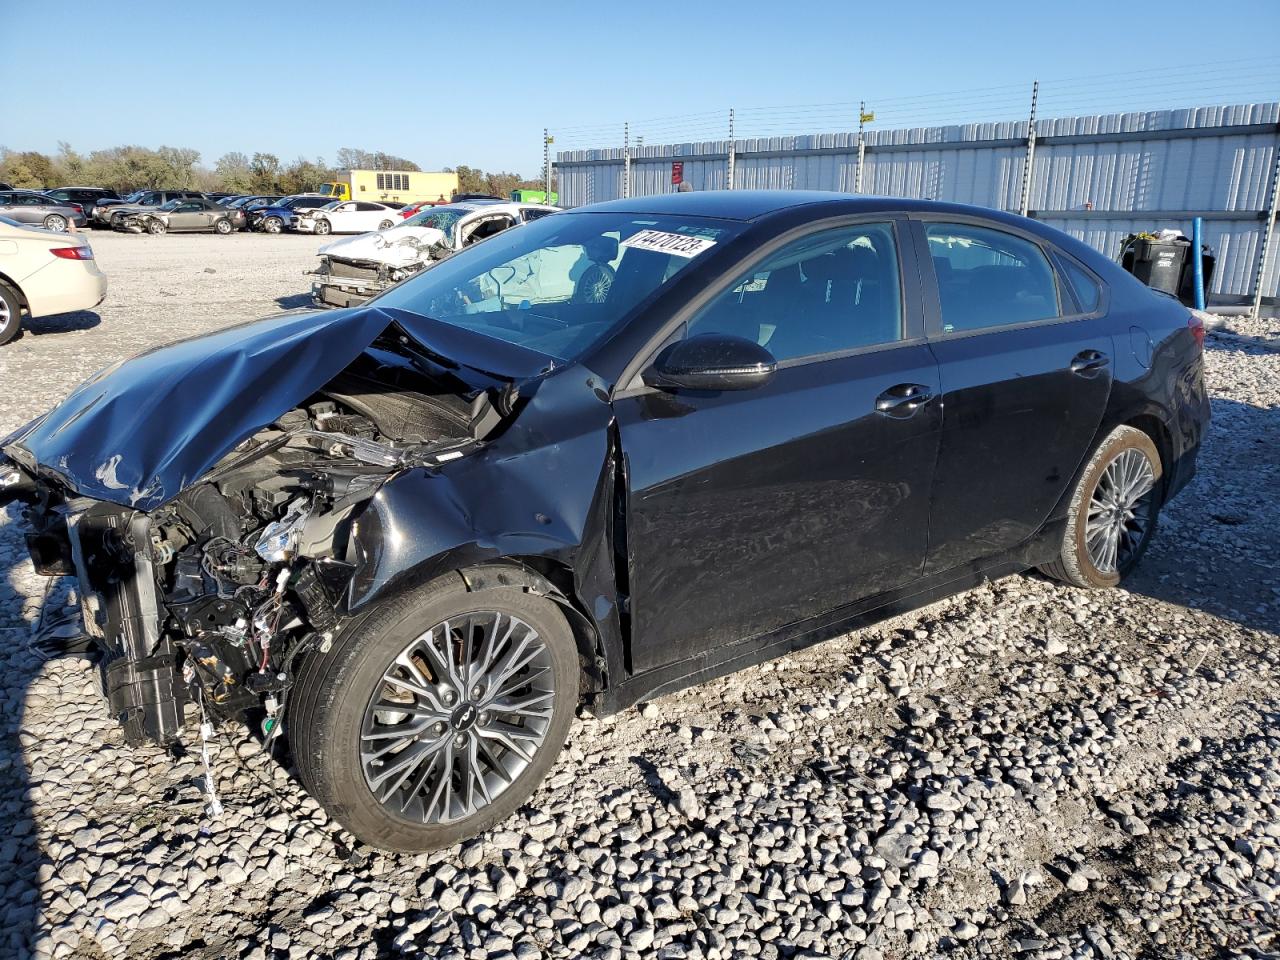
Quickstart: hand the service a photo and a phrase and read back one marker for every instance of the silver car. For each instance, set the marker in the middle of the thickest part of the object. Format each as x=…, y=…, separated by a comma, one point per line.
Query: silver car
x=39, y=210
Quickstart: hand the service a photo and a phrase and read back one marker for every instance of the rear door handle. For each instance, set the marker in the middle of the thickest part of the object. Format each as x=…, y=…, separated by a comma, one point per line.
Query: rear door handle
x=904, y=399
x=1089, y=361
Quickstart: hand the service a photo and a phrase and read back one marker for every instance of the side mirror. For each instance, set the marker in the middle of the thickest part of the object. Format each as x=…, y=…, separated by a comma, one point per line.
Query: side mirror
x=711, y=361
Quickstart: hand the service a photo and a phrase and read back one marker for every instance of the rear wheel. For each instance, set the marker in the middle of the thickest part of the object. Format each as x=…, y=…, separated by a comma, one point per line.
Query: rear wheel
x=223, y=227
x=385, y=225
x=10, y=314
x=55, y=222
x=437, y=716
x=1113, y=512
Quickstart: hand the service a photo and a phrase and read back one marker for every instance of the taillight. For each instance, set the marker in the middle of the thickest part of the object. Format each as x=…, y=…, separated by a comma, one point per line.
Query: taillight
x=1196, y=323
x=72, y=253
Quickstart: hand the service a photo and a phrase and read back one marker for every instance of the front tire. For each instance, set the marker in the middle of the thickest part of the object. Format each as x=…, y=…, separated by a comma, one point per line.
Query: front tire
x=437, y=716
x=272, y=225
x=10, y=314
x=323, y=227
x=156, y=228
x=1113, y=512
x=385, y=225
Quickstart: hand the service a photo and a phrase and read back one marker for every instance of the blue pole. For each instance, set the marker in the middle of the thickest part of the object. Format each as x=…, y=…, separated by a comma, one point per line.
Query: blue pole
x=1197, y=261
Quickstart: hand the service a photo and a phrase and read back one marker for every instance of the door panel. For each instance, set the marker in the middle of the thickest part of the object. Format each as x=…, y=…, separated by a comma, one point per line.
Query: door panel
x=750, y=510
x=1021, y=403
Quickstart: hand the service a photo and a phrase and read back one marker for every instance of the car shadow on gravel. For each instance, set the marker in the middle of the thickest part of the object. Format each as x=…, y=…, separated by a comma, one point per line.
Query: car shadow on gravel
x=21, y=858
x=294, y=301
x=61, y=323
x=1209, y=552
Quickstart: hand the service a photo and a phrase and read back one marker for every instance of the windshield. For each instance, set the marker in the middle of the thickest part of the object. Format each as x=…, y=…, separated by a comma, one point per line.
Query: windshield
x=331, y=205
x=135, y=196
x=330, y=189
x=172, y=204
x=562, y=283
x=442, y=218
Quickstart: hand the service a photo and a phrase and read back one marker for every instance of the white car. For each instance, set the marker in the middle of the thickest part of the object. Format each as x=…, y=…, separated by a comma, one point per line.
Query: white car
x=43, y=273
x=357, y=268
x=346, y=216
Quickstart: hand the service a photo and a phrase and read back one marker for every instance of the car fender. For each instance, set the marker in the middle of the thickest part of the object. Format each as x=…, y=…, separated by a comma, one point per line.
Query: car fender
x=522, y=500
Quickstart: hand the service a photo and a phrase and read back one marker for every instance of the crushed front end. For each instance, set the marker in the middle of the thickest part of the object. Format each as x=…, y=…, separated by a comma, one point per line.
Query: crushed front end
x=208, y=599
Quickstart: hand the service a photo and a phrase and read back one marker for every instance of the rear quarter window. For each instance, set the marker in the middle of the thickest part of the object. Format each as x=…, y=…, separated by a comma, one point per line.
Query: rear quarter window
x=1087, y=290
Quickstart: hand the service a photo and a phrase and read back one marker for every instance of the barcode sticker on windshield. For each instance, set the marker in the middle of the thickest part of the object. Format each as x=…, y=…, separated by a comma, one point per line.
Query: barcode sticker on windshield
x=677, y=244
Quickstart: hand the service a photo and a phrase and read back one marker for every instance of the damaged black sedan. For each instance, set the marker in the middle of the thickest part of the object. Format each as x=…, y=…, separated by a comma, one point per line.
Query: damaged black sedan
x=592, y=460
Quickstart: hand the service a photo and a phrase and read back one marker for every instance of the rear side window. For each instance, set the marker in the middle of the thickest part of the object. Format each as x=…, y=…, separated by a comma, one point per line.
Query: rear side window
x=1088, y=292
x=827, y=292
x=989, y=278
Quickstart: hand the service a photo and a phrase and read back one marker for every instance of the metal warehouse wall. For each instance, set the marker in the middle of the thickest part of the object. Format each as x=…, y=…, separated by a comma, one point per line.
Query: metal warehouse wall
x=1097, y=177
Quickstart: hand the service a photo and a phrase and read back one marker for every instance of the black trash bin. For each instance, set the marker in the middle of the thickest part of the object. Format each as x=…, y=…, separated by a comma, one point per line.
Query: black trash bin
x=1157, y=263
x=1187, y=289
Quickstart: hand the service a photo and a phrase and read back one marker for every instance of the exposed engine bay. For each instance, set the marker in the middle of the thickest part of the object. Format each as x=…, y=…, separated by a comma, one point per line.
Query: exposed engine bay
x=209, y=599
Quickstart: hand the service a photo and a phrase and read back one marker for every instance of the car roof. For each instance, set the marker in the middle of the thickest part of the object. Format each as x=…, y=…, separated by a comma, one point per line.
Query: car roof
x=755, y=204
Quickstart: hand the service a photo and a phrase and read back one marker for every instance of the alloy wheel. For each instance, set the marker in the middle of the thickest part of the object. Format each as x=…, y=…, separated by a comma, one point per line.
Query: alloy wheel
x=56, y=223
x=1120, y=510
x=6, y=317
x=457, y=717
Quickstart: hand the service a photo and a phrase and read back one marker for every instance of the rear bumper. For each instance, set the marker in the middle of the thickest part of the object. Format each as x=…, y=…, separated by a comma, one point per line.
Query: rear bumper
x=65, y=286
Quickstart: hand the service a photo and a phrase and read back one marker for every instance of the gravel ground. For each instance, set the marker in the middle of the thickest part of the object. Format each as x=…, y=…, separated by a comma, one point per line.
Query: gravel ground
x=1025, y=769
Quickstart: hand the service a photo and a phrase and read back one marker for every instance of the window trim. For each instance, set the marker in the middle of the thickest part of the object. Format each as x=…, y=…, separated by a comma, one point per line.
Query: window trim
x=630, y=384
x=1050, y=251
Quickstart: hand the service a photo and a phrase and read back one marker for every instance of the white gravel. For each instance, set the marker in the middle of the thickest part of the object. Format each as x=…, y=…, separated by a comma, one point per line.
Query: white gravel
x=1023, y=770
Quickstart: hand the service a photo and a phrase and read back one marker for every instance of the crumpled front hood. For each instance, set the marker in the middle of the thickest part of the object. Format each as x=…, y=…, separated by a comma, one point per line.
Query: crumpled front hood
x=396, y=247
x=141, y=431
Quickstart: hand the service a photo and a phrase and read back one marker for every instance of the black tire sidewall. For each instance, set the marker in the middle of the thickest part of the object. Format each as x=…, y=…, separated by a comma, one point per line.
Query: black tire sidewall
x=14, y=326
x=336, y=687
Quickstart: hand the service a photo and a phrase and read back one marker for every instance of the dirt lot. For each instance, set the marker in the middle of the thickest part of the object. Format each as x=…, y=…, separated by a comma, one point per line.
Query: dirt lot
x=1023, y=770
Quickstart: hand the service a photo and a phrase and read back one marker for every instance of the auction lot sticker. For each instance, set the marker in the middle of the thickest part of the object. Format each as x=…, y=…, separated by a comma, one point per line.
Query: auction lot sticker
x=677, y=244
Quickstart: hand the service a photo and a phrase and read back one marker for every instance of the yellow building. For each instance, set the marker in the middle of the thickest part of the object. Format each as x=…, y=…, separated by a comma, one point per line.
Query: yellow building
x=406, y=186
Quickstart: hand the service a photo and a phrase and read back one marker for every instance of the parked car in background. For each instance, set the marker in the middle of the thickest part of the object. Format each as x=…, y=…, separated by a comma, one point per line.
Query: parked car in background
x=43, y=274
x=408, y=210
x=5, y=186
x=275, y=218
x=251, y=203
x=192, y=215
x=351, y=271
x=138, y=201
x=346, y=216
x=38, y=209
x=87, y=197
x=728, y=426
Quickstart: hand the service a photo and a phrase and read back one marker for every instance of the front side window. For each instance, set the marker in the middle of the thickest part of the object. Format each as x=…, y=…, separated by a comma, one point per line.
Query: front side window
x=828, y=292
x=560, y=284
x=989, y=278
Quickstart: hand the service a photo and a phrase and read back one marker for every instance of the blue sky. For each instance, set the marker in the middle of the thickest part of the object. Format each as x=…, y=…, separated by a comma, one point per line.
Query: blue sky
x=448, y=84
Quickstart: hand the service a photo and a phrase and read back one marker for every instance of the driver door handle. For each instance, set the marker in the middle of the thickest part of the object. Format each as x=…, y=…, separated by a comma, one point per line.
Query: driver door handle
x=904, y=399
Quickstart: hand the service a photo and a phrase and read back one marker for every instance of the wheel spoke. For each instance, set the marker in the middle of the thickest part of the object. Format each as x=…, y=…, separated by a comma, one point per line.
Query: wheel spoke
x=429, y=749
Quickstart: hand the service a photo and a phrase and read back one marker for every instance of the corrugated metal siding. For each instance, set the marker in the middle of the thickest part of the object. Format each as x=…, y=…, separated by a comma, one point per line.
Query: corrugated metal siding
x=1115, y=170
